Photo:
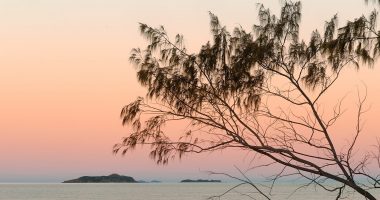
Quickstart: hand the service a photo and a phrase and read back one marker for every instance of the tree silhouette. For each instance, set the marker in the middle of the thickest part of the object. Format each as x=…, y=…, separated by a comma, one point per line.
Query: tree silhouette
x=257, y=91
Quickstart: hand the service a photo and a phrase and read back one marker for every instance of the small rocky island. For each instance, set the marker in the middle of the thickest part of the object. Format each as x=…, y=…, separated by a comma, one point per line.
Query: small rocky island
x=200, y=181
x=113, y=178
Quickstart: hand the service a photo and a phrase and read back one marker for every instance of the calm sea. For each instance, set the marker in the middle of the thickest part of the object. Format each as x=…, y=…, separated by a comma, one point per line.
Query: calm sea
x=150, y=191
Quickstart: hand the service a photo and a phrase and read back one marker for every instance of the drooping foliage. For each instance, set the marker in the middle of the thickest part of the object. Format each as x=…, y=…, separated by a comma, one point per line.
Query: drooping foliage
x=234, y=67
x=220, y=89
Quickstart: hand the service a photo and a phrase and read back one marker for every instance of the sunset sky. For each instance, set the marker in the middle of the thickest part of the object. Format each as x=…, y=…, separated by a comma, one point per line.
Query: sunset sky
x=65, y=75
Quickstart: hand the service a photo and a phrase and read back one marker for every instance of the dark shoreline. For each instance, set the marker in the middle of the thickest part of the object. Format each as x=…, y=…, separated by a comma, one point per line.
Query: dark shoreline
x=200, y=181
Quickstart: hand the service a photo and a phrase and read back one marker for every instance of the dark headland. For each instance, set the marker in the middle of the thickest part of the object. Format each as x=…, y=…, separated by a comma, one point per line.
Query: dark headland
x=200, y=181
x=113, y=178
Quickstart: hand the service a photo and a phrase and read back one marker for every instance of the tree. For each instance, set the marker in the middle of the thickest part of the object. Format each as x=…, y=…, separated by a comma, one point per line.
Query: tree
x=257, y=91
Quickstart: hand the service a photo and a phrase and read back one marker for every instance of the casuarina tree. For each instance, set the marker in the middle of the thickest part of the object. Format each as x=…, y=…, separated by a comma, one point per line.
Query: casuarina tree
x=258, y=91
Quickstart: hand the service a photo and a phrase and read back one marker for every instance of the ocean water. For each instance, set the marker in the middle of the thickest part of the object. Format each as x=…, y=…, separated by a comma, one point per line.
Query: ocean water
x=153, y=191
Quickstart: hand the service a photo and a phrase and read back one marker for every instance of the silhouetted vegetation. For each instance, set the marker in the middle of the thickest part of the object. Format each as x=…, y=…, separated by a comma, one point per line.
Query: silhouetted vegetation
x=113, y=178
x=258, y=91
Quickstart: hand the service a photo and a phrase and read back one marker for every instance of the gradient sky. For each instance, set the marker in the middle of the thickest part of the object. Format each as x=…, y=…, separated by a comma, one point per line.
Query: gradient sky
x=65, y=75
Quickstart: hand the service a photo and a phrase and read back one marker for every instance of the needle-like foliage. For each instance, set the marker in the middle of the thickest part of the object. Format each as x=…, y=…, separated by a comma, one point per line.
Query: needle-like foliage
x=225, y=93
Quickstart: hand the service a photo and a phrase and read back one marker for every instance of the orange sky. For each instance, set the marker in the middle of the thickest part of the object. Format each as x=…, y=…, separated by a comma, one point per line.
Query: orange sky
x=65, y=76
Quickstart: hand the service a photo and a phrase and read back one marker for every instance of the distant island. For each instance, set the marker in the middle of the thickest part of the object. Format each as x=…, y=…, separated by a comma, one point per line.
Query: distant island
x=113, y=178
x=200, y=181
